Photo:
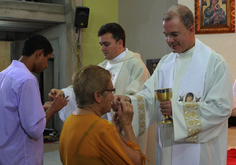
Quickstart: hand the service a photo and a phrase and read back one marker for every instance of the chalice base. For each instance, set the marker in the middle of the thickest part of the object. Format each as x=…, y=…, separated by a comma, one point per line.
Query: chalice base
x=166, y=120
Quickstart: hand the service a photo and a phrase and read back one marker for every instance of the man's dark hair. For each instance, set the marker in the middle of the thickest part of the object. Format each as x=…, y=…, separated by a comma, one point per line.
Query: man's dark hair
x=115, y=29
x=36, y=42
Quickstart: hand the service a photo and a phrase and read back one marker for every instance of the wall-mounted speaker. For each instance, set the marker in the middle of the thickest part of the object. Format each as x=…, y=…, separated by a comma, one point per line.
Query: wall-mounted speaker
x=81, y=17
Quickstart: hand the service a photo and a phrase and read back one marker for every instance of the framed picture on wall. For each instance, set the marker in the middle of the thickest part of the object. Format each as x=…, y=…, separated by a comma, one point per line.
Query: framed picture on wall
x=214, y=16
x=152, y=64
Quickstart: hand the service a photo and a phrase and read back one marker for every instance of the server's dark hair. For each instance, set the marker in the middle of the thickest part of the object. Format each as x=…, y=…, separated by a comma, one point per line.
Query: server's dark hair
x=36, y=42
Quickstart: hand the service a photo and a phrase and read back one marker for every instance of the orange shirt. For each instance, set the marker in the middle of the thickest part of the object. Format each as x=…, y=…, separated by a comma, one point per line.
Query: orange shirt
x=88, y=139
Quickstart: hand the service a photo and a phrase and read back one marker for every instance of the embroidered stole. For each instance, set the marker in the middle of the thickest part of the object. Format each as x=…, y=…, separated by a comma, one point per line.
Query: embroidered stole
x=192, y=83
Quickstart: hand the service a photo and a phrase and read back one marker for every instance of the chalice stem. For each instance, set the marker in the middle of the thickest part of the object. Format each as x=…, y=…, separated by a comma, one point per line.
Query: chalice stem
x=164, y=95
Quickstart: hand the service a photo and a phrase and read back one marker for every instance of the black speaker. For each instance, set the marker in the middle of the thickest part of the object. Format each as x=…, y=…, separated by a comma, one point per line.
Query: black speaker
x=81, y=17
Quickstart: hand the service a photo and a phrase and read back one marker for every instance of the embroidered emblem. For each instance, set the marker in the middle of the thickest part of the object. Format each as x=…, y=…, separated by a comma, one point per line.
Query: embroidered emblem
x=189, y=97
x=141, y=114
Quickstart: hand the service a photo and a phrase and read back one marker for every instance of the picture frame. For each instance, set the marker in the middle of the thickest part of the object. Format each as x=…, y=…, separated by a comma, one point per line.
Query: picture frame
x=152, y=64
x=214, y=18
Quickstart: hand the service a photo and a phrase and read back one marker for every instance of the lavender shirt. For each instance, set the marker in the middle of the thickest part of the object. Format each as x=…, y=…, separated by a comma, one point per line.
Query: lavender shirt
x=22, y=117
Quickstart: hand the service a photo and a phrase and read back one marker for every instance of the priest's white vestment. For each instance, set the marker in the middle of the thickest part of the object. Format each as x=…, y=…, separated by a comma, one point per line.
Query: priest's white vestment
x=199, y=136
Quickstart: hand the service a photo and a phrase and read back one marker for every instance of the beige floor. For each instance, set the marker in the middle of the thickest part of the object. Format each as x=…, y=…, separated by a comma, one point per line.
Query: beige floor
x=51, y=153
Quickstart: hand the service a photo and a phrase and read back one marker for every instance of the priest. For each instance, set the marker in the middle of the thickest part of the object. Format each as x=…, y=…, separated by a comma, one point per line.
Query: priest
x=128, y=71
x=198, y=134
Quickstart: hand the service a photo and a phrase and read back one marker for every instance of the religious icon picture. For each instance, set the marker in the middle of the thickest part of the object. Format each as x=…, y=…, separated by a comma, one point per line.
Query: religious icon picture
x=189, y=97
x=214, y=16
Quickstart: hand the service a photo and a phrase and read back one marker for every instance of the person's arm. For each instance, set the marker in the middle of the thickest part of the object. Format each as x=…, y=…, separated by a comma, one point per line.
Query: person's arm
x=123, y=117
x=65, y=112
x=46, y=105
x=56, y=105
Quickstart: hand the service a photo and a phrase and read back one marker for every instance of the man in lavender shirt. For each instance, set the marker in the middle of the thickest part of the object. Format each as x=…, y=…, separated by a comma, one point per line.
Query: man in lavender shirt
x=22, y=116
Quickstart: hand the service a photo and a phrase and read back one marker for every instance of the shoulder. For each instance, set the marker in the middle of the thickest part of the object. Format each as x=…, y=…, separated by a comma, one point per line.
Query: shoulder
x=103, y=64
x=106, y=129
x=215, y=57
x=19, y=76
x=133, y=58
x=136, y=64
x=217, y=62
x=28, y=78
x=105, y=123
x=133, y=55
x=158, y=67
x=163, y=59
x=101, y=127
x=216, y=54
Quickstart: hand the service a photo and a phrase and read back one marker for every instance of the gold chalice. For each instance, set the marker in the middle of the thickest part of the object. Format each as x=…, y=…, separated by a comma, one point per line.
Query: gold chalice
x=164, y=95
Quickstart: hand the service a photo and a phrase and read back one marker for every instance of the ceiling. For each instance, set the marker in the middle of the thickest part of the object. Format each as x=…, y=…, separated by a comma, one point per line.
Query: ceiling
x=24, y=18
x=23, y=26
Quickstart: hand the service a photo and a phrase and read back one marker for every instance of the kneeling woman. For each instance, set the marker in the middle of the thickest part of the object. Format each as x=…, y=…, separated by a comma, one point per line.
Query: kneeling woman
x=86, y=138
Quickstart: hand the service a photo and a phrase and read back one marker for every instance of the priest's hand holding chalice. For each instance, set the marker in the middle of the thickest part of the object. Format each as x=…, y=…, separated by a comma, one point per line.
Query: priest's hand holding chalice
x=164, y=96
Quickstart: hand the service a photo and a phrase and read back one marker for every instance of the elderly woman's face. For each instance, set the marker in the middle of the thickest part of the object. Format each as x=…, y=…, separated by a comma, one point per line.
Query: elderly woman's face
x=107, y=99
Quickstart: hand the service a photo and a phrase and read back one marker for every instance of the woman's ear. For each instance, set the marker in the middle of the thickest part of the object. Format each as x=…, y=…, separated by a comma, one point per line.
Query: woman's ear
x=97, y=97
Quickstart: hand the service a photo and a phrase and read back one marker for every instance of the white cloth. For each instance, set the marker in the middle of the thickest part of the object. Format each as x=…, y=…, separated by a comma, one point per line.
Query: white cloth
x=130, y=77
x=192, y=85
x=213, y=112
x=114, y=70
x=71, y=106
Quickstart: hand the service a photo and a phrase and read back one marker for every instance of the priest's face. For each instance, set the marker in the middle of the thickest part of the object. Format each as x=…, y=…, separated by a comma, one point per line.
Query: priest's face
x=178, y=37
x=109, y=46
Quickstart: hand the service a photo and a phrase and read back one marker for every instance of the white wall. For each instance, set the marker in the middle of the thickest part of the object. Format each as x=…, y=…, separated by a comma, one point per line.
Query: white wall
x=224, y=44
x=143, y=26
x=142, y=22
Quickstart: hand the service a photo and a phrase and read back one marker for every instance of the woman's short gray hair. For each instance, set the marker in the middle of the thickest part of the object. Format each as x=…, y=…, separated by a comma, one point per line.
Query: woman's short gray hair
x=87, y=81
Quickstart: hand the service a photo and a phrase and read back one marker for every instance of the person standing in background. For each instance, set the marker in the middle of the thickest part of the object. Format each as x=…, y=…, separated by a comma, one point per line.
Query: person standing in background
x=129, y=73
x=22, y=116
